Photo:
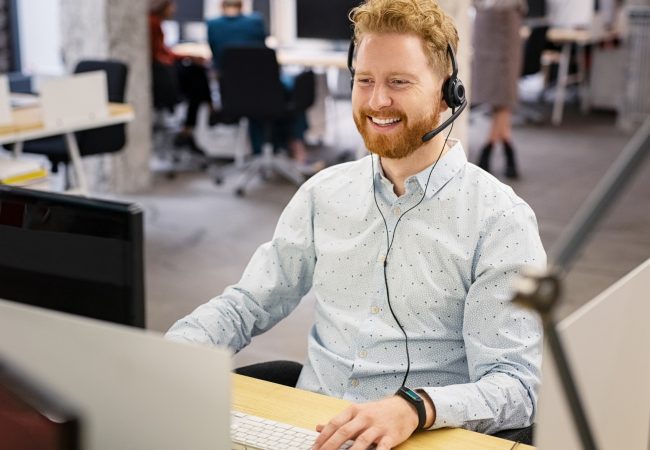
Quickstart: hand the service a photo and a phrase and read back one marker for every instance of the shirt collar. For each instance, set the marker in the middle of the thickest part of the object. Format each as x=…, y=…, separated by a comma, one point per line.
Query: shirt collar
x=448, y=166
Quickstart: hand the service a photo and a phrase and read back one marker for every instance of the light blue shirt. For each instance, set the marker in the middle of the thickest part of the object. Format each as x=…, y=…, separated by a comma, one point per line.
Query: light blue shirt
x=450, y=273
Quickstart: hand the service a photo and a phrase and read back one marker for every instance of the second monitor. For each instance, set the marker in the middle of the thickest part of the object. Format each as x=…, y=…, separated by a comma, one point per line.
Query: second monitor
x=72, y=254
x=324, y=20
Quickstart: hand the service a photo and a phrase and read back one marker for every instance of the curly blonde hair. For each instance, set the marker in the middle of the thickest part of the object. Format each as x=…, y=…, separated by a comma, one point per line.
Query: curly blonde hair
x=423, y=18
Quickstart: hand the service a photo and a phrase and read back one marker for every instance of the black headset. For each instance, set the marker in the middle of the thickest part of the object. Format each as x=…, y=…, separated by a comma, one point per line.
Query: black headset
x=453, y=90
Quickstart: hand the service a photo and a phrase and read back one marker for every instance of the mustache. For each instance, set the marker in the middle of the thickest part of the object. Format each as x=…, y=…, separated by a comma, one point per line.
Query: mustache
x=383, y=114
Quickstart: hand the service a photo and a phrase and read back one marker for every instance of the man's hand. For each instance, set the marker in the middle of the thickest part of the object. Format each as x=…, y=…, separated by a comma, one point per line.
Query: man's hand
x=386, y=423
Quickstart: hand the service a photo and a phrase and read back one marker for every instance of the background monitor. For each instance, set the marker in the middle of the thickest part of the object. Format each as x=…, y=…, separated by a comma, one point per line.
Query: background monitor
x=33, y=418
x=72, y=254
x=189, y=11
x=263, y=7
x=324, y=19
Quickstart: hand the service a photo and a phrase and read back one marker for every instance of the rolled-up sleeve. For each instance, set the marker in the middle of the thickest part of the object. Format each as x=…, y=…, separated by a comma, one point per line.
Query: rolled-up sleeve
x=503, y=341
x=278, y=275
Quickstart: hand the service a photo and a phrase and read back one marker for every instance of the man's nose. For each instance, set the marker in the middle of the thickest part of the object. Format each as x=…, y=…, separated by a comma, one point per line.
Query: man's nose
x=380, y=97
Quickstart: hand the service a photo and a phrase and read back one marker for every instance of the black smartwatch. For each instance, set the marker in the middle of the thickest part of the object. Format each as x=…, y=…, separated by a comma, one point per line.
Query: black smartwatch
x=415, y=400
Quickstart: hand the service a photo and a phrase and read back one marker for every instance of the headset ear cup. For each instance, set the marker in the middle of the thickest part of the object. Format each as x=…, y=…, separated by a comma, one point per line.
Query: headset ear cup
x=447, y=93
x=458, y=93
x=454, y=92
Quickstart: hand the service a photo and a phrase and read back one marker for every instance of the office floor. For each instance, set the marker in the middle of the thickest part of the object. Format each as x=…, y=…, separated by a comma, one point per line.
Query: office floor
x=199, y=236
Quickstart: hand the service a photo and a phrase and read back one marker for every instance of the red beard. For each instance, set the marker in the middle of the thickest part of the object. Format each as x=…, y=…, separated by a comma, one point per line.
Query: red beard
x=399, y=144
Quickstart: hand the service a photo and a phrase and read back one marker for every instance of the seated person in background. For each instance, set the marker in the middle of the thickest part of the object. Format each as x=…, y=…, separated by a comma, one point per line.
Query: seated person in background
x=175, y=74
x=421, y=302
x=236, y=28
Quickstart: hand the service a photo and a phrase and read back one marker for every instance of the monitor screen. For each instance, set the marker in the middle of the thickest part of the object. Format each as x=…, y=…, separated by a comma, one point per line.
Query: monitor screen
x=72, y=254
x=189, y=11
x=263, y=8
x=324, y=19
x=32, y=418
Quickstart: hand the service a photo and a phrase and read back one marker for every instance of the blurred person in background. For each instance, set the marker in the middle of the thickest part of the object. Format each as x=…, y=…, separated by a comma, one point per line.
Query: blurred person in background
x=235, y=28
x=175, y=76
x=496, y=69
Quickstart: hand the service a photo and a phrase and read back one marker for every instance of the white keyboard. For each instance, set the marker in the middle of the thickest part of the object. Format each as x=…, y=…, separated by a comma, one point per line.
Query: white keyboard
x=249, y=432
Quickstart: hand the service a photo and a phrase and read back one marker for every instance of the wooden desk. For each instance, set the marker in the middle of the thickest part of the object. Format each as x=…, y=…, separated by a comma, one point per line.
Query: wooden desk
x=286, y=56
x=567, y=38
x=306, y=410
x=28, y=125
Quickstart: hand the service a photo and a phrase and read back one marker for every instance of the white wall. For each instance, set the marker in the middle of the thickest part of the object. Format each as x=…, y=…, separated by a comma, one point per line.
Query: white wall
x=40, y=37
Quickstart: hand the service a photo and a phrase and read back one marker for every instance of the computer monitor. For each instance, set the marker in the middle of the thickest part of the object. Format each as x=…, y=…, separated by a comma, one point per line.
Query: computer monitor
x=72, y=254
x=263, y=8
x=324, y=19
x=133, y=388
x=570, y=13
x=32, y=417
x=606, y=342
x=189, y=11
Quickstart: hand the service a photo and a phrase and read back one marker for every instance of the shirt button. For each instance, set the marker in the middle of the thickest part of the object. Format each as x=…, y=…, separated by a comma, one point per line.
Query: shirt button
x=363, y=354
x=354, y=382
x=374, y=310
x=397, y=211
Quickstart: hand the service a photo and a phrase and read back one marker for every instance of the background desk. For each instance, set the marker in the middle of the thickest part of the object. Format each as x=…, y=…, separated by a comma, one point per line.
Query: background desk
x=286, y=56
x=567, y=38
x=306, y=409
x=28, y=125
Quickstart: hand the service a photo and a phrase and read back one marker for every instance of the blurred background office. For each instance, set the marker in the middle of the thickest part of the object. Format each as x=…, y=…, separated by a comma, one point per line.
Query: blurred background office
x=582, y=87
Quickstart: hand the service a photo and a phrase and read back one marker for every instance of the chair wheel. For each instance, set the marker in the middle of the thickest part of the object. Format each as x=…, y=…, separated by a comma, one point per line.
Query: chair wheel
x=218, y=180
x=240, y=192
x=170, y=175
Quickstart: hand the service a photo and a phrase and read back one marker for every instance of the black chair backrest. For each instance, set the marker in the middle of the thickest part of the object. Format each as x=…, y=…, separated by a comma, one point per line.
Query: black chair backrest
x=250, y=86
x=112, y=138
x=304, y=91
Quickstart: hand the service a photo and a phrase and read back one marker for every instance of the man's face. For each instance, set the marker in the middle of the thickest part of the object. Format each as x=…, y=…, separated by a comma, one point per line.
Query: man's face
x=397, y=96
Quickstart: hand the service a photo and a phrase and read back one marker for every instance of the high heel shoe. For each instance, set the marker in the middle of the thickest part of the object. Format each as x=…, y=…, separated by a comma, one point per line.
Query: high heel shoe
x=484, y=158
x=511, y=163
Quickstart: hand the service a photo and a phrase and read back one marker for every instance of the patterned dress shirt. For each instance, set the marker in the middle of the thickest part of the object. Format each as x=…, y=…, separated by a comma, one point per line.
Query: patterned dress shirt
x=449, y=272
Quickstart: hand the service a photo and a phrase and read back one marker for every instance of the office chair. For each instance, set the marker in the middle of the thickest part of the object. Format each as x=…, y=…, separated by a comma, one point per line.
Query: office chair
x=167, y=123
x=250, y=86
x=108, y=139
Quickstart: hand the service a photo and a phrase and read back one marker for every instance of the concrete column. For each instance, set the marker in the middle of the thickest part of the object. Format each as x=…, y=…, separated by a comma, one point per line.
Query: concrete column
x=115, y=29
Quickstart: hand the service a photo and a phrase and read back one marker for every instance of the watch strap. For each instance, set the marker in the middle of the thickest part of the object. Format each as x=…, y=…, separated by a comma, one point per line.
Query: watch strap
x=415, y=400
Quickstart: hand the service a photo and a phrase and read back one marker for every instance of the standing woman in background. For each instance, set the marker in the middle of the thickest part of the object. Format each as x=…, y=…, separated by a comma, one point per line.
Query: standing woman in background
x=496, y=69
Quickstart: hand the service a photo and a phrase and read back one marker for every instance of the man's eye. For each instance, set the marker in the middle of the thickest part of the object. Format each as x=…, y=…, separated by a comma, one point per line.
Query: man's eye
x=364, y=81
x=398, y=82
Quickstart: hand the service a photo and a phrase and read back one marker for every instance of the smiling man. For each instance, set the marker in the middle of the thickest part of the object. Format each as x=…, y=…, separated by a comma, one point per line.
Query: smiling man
x=411, y=253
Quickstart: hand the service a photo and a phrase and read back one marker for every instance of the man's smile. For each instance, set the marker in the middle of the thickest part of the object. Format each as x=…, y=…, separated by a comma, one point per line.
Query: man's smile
x=384, y=124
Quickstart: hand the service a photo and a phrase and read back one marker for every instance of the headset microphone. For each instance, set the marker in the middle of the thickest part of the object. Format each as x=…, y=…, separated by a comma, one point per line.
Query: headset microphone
x=453, y=92
x=454, y=115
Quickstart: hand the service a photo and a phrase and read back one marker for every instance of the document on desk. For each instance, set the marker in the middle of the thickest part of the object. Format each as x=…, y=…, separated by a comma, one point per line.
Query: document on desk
x=18, y=172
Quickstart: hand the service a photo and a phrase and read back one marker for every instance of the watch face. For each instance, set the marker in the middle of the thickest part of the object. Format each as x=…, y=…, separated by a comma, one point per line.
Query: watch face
x=412, y=395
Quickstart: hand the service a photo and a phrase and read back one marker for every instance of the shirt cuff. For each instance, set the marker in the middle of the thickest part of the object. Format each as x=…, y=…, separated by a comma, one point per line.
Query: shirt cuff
x=450, y=410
